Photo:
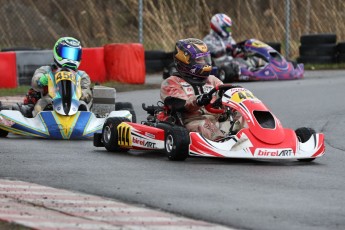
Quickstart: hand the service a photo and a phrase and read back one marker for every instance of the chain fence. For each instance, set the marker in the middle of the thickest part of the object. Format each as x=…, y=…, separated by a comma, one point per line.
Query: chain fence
x=159, y=23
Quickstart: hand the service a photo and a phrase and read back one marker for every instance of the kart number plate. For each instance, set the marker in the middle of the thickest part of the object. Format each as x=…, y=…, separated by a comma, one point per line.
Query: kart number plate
x=65, y=75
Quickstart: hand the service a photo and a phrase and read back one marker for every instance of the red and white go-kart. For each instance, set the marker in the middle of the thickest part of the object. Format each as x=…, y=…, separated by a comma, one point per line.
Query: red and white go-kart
x=262, y=135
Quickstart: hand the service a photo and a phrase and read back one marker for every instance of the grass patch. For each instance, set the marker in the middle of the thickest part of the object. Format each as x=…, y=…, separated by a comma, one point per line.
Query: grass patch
x=21, y=90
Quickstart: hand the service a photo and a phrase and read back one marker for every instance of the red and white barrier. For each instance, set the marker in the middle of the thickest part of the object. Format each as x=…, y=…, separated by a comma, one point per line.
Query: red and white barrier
x=92, y=62
x=8, y=70
x=118, y=62
x=125, y=62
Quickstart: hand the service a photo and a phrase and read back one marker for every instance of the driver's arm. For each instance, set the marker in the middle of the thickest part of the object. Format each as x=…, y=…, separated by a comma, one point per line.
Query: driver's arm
x=85, y=83
x=39, y=73
x=175, y=97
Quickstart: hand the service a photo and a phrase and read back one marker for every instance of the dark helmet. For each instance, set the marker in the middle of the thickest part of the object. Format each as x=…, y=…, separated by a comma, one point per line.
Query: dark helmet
x=192, y=60
x=67, y=53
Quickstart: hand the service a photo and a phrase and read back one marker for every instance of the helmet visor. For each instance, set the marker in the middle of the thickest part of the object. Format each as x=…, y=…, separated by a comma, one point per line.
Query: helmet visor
x=227, y=29
x=203, y=59
x=70, y=53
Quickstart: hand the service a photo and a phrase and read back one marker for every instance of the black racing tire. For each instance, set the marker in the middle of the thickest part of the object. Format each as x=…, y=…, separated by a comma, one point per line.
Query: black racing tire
x=318, y=50
x=312, y=39
x=97, y=140
x=167, y=72
x=176, y=141
x=341, y=58
x=154, y=65
x=155, y=54
x=3, y=133
x=303, y=134
x=19, y=49
x=126, y=106
x=228, y=73
x=110, y=134
x=341, y=47
x=169, y=58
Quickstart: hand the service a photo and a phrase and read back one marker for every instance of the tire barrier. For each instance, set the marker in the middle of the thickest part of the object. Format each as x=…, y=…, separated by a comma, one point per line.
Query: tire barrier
x=341, y=52
x=8, y=70
x=318, y=49
x=30, y=60
x=154, y=60
x=125, y=63
x=19, y=49
x=92, y=62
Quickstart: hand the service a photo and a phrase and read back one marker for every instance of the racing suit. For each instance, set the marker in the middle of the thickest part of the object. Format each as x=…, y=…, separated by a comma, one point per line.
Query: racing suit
x=225, y=51
x=194, y=117
x=45, y=98
x=221, y=49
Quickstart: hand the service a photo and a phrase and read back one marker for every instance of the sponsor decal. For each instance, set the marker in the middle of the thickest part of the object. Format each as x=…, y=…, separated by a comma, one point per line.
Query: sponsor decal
x=150, y=135
x=144, y=143
x=188, y=88
x=273, y=152
x=207, y=88
x=6, y=122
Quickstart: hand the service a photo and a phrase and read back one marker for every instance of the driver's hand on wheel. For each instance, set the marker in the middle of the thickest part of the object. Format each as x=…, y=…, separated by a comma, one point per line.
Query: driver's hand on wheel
x=43, y=81
x=203, y=99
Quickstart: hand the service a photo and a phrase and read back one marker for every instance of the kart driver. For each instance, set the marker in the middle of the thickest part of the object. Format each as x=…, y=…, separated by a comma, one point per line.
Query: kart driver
x=223, y=47
x=220, y=42
x=67, y=54
x=186, y=90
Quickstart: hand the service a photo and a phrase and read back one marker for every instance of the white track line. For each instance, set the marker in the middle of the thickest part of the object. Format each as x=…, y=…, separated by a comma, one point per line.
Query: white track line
x=47, y=208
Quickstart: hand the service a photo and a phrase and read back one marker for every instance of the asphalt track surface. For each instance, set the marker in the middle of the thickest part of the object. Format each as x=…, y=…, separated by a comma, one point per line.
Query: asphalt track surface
x=242, y=194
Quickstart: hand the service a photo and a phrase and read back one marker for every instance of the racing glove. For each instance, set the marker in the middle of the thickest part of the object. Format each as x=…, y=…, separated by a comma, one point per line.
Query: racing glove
x=43, y=81
x=203, y=99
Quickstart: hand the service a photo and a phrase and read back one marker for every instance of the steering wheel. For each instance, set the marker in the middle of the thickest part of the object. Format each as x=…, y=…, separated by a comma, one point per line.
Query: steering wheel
x=221, y=89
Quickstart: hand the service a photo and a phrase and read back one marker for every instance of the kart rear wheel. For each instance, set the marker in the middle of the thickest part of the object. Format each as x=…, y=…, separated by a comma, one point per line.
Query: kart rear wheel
x=110, y=134
x=303, y=134
x=3, y=133
x=228, y=73
x=176, y=143
x=126, y=106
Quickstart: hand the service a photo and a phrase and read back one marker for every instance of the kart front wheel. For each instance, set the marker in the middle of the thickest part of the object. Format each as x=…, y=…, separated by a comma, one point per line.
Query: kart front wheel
x=3, y=133
x=110, y=134
x=176, y=143
x=303, y=134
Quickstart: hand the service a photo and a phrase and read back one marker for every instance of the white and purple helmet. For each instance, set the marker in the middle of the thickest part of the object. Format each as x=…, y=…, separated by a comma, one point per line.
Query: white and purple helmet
x=221, y=24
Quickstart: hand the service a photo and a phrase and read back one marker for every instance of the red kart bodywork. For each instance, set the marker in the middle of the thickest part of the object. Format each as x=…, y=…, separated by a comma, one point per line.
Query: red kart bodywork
x=262, y=135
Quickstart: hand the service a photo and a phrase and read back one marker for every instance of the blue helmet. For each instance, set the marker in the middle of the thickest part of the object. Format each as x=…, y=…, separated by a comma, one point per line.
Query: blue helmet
x=67, y=53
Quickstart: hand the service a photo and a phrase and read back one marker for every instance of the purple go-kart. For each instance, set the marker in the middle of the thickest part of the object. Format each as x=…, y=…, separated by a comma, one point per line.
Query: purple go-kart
x=258, y=61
